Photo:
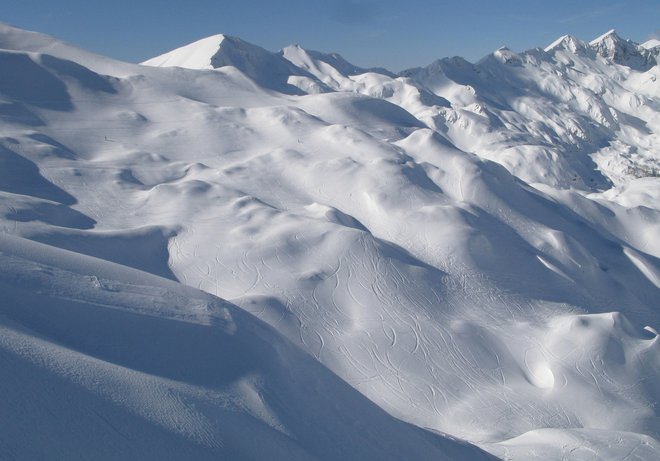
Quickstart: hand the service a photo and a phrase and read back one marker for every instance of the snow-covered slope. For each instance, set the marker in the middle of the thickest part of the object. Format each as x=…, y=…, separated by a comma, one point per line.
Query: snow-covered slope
x=572, y=115
x=331, y=69
x=15, y=39
x=404, y=257
x=105, y=361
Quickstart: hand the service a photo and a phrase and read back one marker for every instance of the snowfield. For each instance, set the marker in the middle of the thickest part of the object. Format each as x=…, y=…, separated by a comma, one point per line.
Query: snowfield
x=233, y=253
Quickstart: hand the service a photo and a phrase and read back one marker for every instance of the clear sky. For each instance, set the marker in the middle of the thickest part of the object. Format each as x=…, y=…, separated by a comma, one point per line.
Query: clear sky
x=387, y=33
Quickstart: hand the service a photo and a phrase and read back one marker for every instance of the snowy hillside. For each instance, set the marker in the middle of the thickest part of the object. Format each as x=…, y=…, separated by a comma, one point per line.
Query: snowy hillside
x=232, y=252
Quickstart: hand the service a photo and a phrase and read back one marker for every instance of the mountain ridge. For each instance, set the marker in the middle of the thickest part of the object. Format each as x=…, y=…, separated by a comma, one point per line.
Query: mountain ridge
x=465, y=85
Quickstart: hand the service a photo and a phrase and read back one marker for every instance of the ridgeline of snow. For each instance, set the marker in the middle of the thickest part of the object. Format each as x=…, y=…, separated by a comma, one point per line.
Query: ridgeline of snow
x=265, y=68
x=236, y=253
x=569, y=43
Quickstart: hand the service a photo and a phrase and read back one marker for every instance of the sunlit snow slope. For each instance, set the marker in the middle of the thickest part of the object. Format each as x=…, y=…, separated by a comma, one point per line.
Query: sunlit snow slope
x=460, y=252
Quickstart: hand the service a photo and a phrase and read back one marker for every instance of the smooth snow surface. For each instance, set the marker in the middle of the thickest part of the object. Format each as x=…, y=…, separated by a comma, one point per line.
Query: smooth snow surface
x=197, y=55
x=231, y=253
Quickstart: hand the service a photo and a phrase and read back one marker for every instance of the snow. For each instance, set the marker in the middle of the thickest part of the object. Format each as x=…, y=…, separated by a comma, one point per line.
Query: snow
x=270, y=70
x=123, y=364
x=653, y=43
x=567, y=42
x=229, y=252
x=609, y=35
x=611, y=46
x=196, y=55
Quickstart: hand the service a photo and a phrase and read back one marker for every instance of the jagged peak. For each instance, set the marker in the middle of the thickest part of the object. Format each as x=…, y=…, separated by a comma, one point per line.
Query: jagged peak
x=622, y=51
x=610, y=34
x=567, y=42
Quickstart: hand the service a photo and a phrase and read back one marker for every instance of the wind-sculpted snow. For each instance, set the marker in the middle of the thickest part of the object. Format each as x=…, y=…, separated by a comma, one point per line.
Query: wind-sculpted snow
x=471, y=248
x=121, y=364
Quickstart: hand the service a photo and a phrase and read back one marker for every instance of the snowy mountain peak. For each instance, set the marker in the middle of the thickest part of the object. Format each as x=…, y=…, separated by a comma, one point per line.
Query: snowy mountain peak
x=267, y=69
x=622, y=51
x=195, y=55
x=507, y=56
x=567, y=42
x=609, y=35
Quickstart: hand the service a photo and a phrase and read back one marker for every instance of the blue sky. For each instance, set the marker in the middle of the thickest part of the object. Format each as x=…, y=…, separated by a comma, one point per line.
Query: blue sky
x=387, y=33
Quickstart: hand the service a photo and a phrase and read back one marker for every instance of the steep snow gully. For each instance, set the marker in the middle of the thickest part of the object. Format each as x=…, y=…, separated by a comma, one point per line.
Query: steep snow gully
x=233, y=253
